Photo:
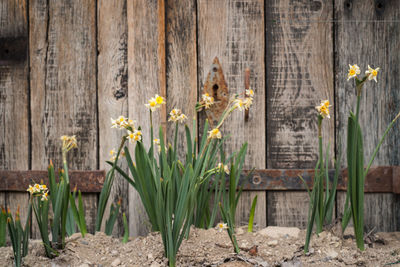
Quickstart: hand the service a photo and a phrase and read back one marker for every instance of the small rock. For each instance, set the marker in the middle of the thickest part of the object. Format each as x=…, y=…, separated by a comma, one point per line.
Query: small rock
x=114, y=252
x=332, y=254
x=150, y=257
x=310, y=252
x=272, y=243
x=239, y=231
x=116, y=262
x=84, y=265
x=155, y=264
x=276, y=231
x=84, y=242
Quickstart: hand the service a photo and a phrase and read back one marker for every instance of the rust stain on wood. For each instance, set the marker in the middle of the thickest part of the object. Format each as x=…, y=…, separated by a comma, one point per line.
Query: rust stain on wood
x=216, y=87
x=86, y=181
x=379, y=179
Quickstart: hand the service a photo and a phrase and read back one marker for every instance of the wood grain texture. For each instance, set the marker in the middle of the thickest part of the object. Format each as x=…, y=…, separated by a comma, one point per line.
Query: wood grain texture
x=299, y=75
x=112, y=27
x=63, y=81
x=181, y=68
x=234, y=32
x=14, y=118
x=380, y=211
x=90, y=206
x=287, y=209
x=146, y=77
x=14, y=134
x=244, y=207
x=368, y=33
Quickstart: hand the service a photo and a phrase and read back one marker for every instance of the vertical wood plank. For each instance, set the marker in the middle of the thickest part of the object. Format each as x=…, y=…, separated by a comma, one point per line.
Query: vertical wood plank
x=63, y=81
x=299, y=75
x=90, y=206
x=14, y=134
x=234, y=32
x=112, y=29
x=181, y=64
x=381, y=211
x=146, y=77
x=14, y=91
x=62, y=49
x=377, y=44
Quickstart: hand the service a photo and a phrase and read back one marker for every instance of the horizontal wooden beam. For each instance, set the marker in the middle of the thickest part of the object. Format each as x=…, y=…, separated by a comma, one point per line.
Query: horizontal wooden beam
x=86, y=181
x=382, y=179
x=379, y=179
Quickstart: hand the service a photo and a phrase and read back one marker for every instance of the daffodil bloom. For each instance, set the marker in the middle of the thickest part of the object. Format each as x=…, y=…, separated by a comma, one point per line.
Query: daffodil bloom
x=238, y=103
x=207, y=100
x=247, y=102
x=118, y=123
x=323, y=109
x=31, y=189
x=354, y=70
x=69, y=142
x=155, y=102
x=44, y=196
x=372, y=73
x=222, y=226
x=156, y=142
x=224, y=167
x=134, y=136
x=249, y=93
x=214, y=133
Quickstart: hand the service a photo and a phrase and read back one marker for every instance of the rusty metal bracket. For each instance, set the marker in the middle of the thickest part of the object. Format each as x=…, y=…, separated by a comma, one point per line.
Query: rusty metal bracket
x=381, y=179
x=86, y=181
x=216, y=86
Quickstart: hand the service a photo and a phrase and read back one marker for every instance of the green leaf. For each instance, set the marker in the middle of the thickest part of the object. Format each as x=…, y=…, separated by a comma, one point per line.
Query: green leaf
x=252, y=211
x=126, y=229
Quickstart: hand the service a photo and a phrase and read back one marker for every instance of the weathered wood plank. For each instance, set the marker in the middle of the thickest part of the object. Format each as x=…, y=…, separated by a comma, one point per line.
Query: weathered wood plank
x=299, y=75
x=146, y=77
x=112, y=27
x=62, y=49
x=63, y=81
x=287, y=209
x=181, y=64
x=224, y=30
x=244, y=207
x=380, y=211
x=90, y=206
x=376, y=45
x=14, y=134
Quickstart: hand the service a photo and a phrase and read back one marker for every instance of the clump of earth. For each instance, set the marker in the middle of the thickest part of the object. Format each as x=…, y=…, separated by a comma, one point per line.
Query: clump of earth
x=271, y=246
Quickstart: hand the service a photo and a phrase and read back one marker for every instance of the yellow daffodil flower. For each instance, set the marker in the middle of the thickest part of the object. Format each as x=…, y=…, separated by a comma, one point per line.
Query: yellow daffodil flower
x=69, y=142
x=155, y=102
x=224, y=167
x=176, y=115
x=238, y=103
x=214, y=133
x=222, y=226
x=323, y=109
x=44, y=196
x=207, y=100
x=249, y=92
x=354, y=70
x=372, y=73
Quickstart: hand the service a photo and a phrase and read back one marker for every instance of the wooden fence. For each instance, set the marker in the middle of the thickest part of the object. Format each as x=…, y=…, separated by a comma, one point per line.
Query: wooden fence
x=66, y=67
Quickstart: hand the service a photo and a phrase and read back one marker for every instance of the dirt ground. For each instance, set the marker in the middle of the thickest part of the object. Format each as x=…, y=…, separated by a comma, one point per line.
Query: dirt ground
x=272, y=246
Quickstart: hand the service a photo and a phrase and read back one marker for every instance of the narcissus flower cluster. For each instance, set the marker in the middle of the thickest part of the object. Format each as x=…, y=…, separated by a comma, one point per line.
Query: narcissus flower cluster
x=370, y=74
x=39, y=190
x=176, y=115
x=69, y=142
x=323, y=109
x=155, y=102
